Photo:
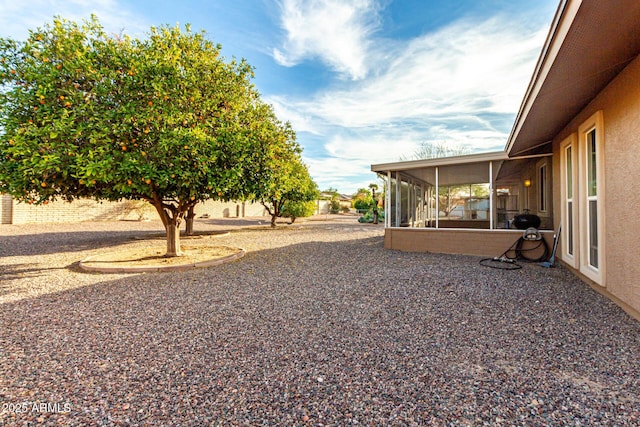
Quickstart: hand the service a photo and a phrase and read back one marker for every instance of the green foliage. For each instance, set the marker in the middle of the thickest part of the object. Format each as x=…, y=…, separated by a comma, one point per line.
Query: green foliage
x=287, y=180
x=332, y=192
x=165, y=119
x=363, y=200
x=363, y=204
x=455, y=195
x=368, y=216
x=334, y=205
x=333, y=196
x=298, y=209
x=275, y=174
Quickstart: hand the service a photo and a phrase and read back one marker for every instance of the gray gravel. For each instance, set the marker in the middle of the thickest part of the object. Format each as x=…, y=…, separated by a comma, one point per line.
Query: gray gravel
x=317, y=325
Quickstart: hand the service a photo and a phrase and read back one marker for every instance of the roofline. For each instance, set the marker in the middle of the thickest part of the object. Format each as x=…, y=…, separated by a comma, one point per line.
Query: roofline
x=441, y=161
x=562, y=21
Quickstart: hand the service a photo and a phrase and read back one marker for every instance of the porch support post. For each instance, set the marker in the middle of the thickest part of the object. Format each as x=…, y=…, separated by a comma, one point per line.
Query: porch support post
x=387, y=202
x=422, y=215
x=398, y=197
x=491, y=199
x=437, y=197
x=410, y=211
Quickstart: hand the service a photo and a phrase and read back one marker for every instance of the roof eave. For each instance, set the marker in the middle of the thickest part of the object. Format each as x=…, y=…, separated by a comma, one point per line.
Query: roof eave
x=440, y=161
x=562, y=20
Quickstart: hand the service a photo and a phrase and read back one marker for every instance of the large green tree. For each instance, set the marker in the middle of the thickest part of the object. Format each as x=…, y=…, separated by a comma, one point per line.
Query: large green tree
x=282, y=178
x=274, y=175
x=292, y=185
x=164, y=119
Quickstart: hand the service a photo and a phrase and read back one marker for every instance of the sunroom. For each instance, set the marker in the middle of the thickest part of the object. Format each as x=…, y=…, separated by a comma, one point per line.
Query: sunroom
x=472, y=204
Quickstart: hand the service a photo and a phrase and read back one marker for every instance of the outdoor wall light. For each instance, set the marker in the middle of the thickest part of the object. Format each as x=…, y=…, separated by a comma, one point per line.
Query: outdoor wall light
x=527, y=183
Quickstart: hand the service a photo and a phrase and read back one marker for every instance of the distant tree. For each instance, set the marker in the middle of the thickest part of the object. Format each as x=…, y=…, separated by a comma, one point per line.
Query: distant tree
x=449, y=198
x=294, y=209
x=294, y=185
x=331, y=192
x=276, y=175
x=165, y=119
x=334, y=204
x=362, y=200
x=432, y=150
x=374, y=198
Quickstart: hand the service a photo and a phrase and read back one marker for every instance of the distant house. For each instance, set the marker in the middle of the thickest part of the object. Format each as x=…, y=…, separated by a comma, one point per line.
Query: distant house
x=572, y=158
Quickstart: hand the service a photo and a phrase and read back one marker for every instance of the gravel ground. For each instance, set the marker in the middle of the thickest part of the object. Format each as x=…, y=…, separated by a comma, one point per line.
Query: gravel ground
x=316, y=325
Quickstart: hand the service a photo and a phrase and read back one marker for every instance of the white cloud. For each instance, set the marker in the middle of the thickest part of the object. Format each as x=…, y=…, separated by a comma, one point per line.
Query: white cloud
x=339, y=173
x=304, y=122
x=465, y=69
x=334, y=31
x=462, y=85
x=18, y=17
x=375, y=146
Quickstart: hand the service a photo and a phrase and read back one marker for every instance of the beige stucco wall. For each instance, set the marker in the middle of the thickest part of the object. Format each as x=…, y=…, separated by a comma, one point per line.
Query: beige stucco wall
x=620, y=104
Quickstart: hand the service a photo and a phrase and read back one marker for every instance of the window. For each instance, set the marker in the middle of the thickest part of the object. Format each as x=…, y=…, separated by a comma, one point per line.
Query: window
x=591, y=198
x=542, y=187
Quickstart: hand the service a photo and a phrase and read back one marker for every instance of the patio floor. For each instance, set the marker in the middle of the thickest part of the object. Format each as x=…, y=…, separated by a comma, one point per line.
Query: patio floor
x=317, y=325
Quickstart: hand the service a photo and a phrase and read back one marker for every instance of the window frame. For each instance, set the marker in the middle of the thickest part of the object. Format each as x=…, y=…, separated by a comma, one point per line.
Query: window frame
x=542, y=184
x=595, y=123
x=568, y=217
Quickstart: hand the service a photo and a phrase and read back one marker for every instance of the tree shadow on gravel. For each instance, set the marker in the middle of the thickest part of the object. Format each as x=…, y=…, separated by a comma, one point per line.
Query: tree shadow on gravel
x=18, y=271
x=50, y=243
x=338, y=333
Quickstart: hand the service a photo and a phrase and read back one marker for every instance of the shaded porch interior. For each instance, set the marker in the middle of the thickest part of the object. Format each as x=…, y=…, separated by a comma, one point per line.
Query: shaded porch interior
x=485, y=191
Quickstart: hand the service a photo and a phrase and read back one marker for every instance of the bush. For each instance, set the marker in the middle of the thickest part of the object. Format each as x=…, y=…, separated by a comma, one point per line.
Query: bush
x=295, y=210
x=335, y=206
x=368, y=217
x=363, y=204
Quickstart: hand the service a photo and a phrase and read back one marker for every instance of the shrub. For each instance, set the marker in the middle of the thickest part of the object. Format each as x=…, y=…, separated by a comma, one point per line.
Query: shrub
x=368, y=216
x=295, y=209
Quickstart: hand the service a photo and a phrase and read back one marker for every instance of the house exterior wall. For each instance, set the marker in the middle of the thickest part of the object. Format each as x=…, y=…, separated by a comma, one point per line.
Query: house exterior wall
x=619, y=103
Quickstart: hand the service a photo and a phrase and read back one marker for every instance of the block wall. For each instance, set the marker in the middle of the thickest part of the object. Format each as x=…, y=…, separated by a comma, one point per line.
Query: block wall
x=13, y=212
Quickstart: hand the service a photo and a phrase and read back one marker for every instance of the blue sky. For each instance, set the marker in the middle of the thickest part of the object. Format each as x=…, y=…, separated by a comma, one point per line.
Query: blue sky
x=361, y=81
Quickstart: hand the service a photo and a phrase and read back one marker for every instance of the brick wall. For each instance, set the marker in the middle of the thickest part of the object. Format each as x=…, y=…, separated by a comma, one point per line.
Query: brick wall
x=215, y=209
x=13, y=212
x=6, y=209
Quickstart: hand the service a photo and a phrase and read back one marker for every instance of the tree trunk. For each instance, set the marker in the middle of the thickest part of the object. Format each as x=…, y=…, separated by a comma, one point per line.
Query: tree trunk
x=275, y=212
x=171, y=227
x=191, y=214
x=375, y=215
x=173, y=240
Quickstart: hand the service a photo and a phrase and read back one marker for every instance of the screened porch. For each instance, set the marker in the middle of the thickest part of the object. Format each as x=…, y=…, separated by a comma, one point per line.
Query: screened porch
x=481, y=191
